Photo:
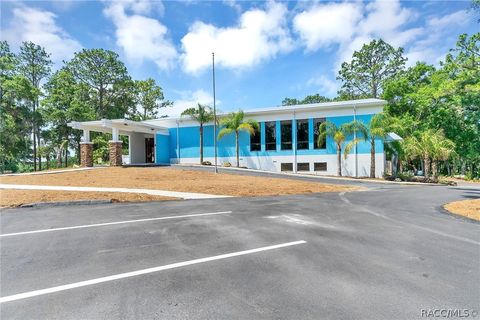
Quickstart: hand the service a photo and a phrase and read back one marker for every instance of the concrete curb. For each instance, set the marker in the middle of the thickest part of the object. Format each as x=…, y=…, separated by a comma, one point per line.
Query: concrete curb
x=63, y=203
x=320, y=177
x=445, y=211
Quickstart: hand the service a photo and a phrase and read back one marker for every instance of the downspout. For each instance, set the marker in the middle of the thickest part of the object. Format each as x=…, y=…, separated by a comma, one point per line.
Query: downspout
x=178, y=142
x=354, y=138
x=294, y=134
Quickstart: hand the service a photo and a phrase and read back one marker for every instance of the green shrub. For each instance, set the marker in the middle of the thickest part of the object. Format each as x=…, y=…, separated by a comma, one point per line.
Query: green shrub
x=405, y=176
x=25, y=167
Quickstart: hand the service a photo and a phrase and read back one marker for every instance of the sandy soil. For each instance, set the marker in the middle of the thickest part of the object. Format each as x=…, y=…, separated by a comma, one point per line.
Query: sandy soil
x=166, y=178
x=14, y=198
x=466, y=208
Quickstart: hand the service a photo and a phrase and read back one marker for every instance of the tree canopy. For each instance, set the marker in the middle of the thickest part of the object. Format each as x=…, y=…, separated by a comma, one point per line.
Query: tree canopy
x=315, y=98
x=370, y=67
x=36, y=105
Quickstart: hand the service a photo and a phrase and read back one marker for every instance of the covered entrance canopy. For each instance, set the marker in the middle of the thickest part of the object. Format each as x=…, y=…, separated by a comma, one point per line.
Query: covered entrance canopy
x=141, y=137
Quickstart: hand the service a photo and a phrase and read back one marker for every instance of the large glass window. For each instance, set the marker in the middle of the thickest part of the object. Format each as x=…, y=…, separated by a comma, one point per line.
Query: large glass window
x=302, y=134
x=270, y=136
x=316, y=124
x=286, y=130
x=255, y=144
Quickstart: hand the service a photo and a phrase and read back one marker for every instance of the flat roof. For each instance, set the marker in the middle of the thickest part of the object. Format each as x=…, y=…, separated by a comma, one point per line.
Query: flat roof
x=124, y=125
x=299, y=107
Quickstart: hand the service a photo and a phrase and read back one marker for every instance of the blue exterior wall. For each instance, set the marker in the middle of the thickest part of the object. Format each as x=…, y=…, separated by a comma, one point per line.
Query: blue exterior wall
x=162, y=150
x=190, y=140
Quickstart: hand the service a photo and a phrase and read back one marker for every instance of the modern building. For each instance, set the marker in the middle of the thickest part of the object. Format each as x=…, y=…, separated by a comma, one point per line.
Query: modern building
x=285, y=141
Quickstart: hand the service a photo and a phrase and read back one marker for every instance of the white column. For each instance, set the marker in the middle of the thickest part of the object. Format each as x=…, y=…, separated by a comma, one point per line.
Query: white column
x=86, y=135
x=115, y=134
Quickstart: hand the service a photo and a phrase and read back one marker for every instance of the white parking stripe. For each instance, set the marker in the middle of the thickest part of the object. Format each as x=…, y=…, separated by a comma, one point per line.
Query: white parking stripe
x=141, y=272
x=113, y=223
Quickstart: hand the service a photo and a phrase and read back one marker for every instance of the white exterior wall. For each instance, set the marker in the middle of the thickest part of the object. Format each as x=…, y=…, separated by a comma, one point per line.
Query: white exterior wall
x=137, y=146
x=273, y=163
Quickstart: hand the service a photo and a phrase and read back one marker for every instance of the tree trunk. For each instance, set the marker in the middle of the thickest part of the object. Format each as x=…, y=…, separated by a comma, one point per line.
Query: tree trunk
x=40, y=155
x=434, y=170
x=78, y=152
x=236, y=147
x=339, y=160
x=426, y=167
x=201, y=144
x=34, y=147
x=100, y=102
x=372, y=158
x=66, y=152
x=59, y=158
x=47, y=157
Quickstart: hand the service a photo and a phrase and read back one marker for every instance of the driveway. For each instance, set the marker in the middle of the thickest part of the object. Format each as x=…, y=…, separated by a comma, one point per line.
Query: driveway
x=387, y=253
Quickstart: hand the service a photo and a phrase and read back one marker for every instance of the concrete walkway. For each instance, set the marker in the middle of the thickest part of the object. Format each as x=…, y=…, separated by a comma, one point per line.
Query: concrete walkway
x=165, y=193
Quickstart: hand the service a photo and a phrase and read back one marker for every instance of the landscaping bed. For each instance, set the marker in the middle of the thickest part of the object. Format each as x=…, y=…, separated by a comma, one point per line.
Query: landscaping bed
x=163, y=178
x=15, y=198
x=466, y=208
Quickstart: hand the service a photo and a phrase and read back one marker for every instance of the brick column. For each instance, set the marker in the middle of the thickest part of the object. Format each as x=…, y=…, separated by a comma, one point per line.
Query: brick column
x=115, y=153
x=86, y=154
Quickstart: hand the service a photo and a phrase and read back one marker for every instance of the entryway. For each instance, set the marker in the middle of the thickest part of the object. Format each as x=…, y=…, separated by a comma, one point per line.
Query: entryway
x=149, y=150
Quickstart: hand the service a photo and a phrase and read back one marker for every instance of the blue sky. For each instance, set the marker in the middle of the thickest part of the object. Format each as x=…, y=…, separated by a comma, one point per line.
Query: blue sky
x=265, y=51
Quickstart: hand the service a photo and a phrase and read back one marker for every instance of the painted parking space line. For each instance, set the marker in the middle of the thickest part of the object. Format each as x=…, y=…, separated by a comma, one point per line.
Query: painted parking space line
x=114, y=223
x=119, y=276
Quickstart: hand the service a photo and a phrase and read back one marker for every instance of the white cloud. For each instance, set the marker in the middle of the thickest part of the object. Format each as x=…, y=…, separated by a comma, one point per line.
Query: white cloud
x=350, y=25
x=325, y=24
x=234, y=5
x=189, y=99
x=325, y=85
x=383, y=18
x=259, y=36
x=139, y=36
x=39, y=26
x=437, y=39
x=456, y=18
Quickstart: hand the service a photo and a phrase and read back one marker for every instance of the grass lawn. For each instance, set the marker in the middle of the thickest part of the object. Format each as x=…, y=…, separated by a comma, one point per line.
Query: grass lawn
x=466, y=208
x=161, y=178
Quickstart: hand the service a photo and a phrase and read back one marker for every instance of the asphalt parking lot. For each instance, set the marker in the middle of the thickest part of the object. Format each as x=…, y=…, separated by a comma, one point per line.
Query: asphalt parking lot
x=386, y=253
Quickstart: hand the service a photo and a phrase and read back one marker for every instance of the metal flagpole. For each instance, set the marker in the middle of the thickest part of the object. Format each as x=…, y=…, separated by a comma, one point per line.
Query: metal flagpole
x=355, y=138
x=214, y=113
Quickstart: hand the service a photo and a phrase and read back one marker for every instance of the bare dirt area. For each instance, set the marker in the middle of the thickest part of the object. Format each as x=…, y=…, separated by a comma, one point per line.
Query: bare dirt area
x=466, y=208
x=15, y=198
x=166, y=178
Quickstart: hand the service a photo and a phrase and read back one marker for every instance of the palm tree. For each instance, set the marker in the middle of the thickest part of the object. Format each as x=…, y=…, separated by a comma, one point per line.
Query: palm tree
x=235, y=122
x=442, y=150
x=339, y=135
x=430, y=146
x=202, y=114
x=376, y=128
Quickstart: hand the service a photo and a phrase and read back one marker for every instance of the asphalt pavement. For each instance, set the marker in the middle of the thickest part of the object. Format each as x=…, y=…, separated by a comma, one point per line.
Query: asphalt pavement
x=390, y=252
